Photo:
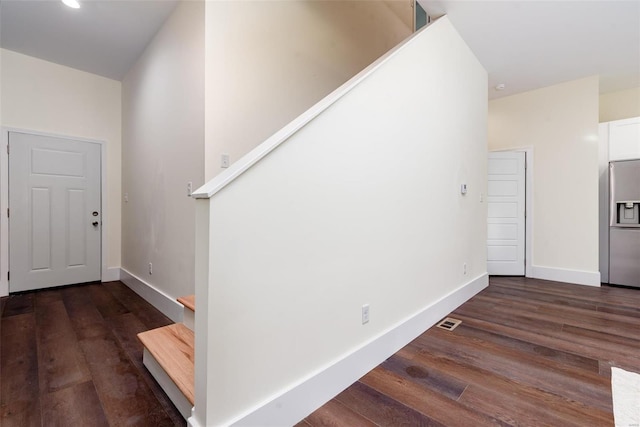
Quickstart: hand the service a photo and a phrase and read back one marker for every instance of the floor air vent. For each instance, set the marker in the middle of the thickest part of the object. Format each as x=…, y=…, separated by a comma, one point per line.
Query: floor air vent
x=449, y=323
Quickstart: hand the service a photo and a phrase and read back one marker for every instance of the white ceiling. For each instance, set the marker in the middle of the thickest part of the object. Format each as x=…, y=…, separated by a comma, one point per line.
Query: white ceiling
x=103, y=37
x=532, y=44
x=523, y=44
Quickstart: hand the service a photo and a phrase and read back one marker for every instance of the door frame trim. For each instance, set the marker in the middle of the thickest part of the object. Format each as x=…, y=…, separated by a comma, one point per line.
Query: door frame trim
x=528, y=220
x=4, y=200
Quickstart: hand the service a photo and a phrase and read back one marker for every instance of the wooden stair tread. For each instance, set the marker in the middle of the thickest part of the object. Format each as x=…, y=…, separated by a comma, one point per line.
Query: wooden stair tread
x=172, y=347
x=188, y=301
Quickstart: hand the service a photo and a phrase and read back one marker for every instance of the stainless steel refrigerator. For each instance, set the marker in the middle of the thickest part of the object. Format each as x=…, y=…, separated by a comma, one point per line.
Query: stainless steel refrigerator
x=624, y=223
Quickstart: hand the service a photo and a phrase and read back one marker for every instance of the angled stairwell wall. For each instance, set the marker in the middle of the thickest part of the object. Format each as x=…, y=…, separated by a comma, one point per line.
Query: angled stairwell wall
x=356, y=202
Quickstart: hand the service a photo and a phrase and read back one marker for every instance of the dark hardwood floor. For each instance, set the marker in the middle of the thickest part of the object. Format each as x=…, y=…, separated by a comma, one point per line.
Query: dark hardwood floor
x=70, y=357
x=528, y=353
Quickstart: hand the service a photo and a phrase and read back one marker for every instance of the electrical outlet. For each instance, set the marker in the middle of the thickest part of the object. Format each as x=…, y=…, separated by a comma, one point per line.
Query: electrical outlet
x=189, y=188
x=481, y=198
x=365, y=314
x=126, y=197
x=464, y=268
x=224, y=161
x=150, y=268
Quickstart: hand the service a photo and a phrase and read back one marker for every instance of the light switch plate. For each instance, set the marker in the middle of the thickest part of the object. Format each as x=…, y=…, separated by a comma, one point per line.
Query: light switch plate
x=365, y=314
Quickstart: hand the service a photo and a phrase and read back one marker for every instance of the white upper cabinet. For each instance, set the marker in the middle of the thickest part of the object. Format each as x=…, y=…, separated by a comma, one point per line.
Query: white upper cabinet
x=624, y=139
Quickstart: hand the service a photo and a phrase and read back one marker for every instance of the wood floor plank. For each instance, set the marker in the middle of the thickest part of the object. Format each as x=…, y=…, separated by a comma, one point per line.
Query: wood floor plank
x=18, y=304
x=19, y=386
x=85, y=318
x=541, y=324
x=125, y=396
x=560, y=341
x=335, y=414
x=381, y=409
x=21, y=413
x=126, y=329
x=144, y=311
x=593, y=319
x=490, y=312
x=425, y=401
x=548, y=375
x=499, y=393
x=622, y=297
x=533, y=349
x=624, y=346
x=603, y=302
x=621, y=311
x=46, y=296
x=19, y=359
x=77, y=405
x=60, y=360
x=444, y=384
x=105, y=302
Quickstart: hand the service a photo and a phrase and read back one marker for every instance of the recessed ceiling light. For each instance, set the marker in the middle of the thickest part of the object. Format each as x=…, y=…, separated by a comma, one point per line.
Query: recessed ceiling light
x=72, y=3
x=500, y=86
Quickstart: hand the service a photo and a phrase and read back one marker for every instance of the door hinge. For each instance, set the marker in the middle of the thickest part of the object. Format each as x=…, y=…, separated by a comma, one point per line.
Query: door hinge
x=7, y=275
x=7, y=212
x=7, y=148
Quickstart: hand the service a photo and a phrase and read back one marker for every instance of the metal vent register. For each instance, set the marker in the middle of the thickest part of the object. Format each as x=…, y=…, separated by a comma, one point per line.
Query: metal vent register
x=449, y=323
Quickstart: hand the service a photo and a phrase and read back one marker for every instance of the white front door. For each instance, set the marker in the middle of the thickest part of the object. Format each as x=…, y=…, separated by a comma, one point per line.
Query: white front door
x=506, y=213
x=55, y=216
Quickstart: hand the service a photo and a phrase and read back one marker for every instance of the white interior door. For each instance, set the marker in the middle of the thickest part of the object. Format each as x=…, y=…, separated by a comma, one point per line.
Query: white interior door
x=506, y=213
x=55, y=212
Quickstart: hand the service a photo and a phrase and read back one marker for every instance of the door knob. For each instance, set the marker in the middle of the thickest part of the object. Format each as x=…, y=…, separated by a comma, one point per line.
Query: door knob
x=95, y=223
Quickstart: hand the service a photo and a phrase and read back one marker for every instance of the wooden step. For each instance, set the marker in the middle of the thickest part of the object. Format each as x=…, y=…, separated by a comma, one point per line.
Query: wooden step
x=171, y=348
x=188, y=301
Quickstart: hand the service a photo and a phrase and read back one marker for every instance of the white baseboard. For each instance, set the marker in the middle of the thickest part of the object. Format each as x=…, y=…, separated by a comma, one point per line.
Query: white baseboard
x=166, y=304
x=589, y=278
x=111, y=274
x=294, y=404
x=192, y=421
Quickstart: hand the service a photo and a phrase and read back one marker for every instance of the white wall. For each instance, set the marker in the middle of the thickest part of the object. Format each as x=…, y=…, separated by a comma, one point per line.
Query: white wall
x=361, y=206
x=163, y=131
x=561, y=124
x=620, y=105
x=402, y=9
x=42, y=96
x=267, y=62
